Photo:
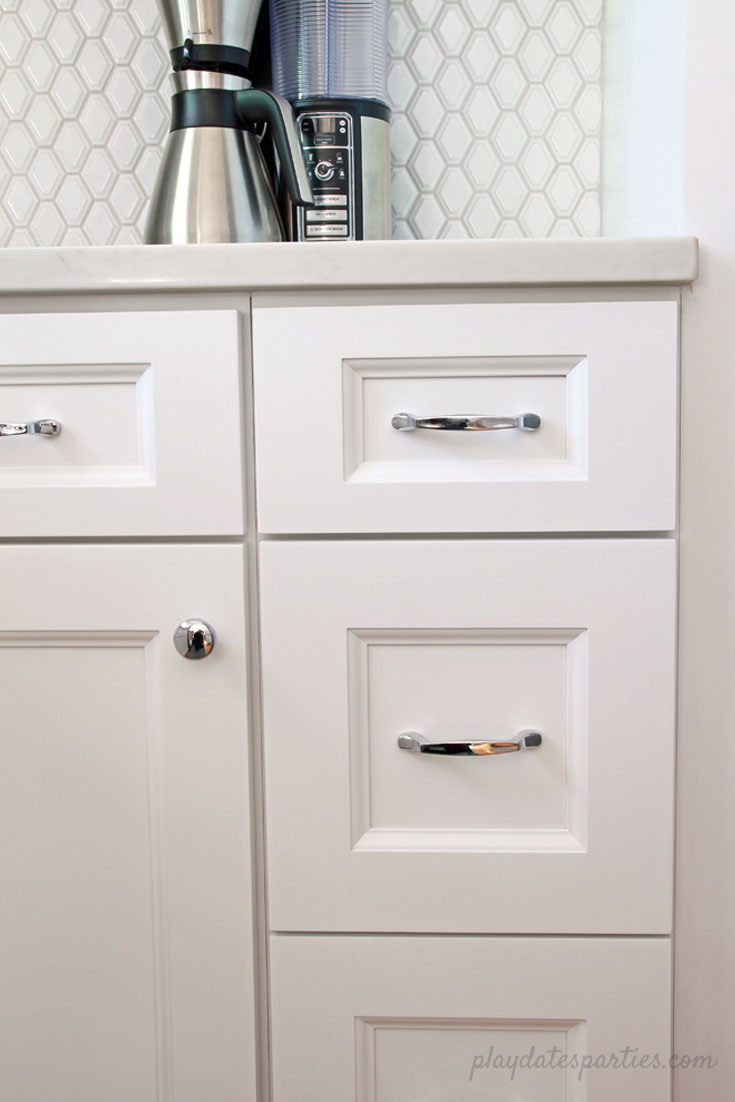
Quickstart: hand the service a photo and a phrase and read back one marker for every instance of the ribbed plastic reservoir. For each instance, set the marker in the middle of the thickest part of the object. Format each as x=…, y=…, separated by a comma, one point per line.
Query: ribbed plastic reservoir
x=332, y=48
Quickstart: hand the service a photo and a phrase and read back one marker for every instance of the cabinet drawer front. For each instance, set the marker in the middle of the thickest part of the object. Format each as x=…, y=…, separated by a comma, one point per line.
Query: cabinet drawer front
x=364, y=643
x=149, y=409
x=601, y=377
x=388, y=1019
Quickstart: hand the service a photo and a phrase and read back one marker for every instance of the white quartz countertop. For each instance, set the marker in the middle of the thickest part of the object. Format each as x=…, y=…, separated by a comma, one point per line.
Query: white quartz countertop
x=345, y=265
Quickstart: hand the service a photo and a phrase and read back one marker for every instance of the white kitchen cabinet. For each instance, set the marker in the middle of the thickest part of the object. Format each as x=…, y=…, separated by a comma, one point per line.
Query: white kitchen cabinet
x=362, y=922
x=148, y=405
x=469, y=640
x=126, y=923
x=601, y=377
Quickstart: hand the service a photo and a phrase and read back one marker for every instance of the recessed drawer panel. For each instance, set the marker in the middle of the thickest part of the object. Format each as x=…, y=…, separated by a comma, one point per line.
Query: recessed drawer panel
x=476, y=418
x=391, y=1019
x=469, y=736
x=141, y=413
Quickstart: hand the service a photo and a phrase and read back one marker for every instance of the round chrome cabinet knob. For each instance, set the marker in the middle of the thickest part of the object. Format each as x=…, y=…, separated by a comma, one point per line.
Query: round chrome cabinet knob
x=194, y=639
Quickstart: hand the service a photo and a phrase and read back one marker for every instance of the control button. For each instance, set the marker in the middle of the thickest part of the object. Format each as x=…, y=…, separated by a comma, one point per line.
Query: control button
x=340, y=158
x=326, y=231
x=326, y=216
x=324, y=170
x=341, y=175
x=330, y=200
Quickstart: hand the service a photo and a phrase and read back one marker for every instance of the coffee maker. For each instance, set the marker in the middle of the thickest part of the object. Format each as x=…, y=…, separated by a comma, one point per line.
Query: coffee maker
x=329, y=60
x=214, y=184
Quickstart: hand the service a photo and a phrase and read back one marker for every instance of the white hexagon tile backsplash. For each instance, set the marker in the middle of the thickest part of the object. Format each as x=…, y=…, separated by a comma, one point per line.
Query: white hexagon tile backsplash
x=497, y=117
x=496, y=126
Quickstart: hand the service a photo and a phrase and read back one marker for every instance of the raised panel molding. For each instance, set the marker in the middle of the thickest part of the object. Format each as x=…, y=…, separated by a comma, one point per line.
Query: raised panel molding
x=106, y=412
x=533, y=802
x=554, y=387
x=83, y=802
x=458, y=1058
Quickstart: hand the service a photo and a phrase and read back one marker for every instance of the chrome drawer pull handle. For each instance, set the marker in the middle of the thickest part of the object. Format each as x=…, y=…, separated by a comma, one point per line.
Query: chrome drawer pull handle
x=524, y=740
x=33, y=428
x=407, y=422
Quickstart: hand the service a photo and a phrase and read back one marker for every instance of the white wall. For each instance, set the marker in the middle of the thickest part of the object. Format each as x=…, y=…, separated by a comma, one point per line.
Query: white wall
x=643, y=48
x=705, y=927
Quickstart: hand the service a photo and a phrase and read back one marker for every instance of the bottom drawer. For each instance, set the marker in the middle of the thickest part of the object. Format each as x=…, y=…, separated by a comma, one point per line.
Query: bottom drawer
x=448, y=1019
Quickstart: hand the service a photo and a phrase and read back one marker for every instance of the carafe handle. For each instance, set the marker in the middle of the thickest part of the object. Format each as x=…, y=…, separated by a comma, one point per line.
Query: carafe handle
x=257, y=105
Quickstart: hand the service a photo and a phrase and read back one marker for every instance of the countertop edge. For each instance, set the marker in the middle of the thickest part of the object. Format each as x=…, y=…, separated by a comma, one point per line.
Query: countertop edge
x=350, y=265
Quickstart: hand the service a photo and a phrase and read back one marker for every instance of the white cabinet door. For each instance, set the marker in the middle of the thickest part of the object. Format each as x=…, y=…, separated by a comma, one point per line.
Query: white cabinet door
x=600, y=377
x=149, y=410
x=401, y=1019
x=366, y=642
x=125, y=925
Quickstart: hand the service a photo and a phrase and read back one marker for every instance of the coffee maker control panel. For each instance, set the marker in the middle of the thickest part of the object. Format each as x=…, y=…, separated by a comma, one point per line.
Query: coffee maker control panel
x=329, y=152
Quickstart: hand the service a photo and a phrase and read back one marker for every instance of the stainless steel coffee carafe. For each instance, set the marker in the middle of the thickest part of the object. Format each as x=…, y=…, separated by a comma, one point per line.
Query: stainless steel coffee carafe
x=213, y=184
